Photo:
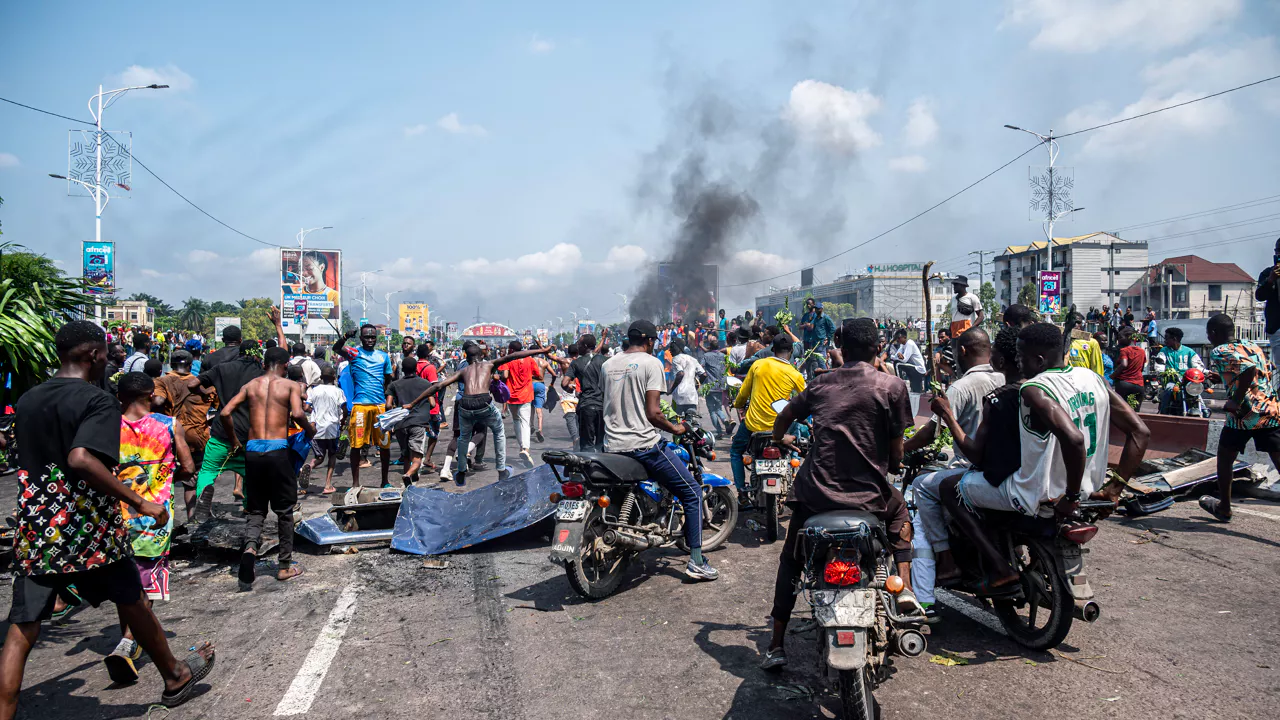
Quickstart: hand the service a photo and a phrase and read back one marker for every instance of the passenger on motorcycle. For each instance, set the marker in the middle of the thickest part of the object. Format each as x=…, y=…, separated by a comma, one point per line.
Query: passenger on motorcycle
x=633, y=386
x=964, y=400
x=1065, y=418
x=1178, y=358
x=859, y=416
x=818, y=330
x=770, y=379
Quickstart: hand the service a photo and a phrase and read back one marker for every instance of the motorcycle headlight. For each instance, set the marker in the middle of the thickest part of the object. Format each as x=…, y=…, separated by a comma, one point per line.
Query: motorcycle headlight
x=1193, y=388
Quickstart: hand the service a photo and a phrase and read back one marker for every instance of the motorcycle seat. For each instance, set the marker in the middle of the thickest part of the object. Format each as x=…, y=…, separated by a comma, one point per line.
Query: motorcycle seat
x=759, y=440
x=842, y=520
x=608, y=467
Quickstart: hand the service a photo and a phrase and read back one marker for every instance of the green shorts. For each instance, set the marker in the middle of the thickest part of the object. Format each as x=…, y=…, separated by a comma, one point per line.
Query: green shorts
x=218, y=459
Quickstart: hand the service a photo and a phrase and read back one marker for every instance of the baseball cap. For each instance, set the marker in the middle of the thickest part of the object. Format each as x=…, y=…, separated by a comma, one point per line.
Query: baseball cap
x=642, y=330
x=817, y=303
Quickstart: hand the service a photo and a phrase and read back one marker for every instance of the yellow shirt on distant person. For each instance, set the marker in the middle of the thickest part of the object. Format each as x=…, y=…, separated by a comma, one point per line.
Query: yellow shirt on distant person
x=769, y=380
x=1086, y=354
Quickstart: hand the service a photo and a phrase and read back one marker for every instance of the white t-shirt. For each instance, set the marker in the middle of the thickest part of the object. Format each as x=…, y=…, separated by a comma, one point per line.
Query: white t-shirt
x=908, y=353
x=327, y=402
x=738, y=353
x=955, y=308
x=627, y=377
x=686, y=392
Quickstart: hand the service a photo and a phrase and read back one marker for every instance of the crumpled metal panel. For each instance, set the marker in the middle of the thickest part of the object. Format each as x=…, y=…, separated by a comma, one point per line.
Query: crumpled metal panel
x=432, y=521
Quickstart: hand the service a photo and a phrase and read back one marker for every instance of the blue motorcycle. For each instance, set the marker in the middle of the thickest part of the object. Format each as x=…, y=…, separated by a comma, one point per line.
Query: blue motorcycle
x=609, y=511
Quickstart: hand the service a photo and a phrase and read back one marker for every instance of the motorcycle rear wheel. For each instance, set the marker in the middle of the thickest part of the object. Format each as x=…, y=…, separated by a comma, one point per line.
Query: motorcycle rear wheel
x=772, y=527
x=599, y=570
x=1045, y=589
x=856, y=699
x=719, y=516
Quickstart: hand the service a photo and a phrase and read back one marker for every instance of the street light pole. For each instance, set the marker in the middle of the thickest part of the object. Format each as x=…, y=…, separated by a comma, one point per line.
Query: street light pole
x=387, y=299
x=302, y=237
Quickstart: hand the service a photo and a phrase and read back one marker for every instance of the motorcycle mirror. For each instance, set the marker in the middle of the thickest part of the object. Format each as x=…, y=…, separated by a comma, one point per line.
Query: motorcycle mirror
x=779, y=405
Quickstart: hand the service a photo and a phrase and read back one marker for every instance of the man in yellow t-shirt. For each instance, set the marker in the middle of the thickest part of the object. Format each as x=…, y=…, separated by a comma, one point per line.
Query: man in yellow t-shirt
x=769, y=380
x=1085, y=353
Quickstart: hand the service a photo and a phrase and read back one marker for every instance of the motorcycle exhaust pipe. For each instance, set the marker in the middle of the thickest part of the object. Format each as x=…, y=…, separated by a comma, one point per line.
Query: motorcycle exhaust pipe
x=613, y=537
x=910, y=643
x=1087, y=610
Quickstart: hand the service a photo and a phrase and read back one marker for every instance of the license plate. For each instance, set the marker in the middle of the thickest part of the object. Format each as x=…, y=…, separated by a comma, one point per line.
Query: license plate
x=774, y=485
x=570, y=510
x=770, y=466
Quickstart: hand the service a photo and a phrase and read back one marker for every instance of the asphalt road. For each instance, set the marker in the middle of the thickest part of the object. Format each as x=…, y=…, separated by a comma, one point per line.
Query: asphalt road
x=1189, y=629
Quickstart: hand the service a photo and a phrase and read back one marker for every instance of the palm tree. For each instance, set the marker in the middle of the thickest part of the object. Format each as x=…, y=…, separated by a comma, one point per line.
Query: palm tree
x=193, y=314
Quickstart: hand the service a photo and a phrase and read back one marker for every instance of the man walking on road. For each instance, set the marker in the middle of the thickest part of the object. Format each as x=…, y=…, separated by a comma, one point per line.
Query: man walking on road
x=586, y=369
x=521, y=375
x=370, y=374
x=270, y=478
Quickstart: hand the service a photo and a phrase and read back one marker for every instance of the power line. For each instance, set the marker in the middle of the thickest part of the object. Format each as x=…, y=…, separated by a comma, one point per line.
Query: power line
x=46, y=112
x=1212, y=228
x=1213, y=211
x=1167, y=107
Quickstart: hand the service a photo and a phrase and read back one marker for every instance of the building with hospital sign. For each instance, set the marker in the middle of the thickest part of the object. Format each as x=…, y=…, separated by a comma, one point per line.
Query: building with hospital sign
x=891, y=291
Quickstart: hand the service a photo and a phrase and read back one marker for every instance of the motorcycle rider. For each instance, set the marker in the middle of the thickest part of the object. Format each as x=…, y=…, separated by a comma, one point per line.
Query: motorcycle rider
x=769, y=380
x=1065, y=419
x=633, y=385
x=1178, y=358
x=818, y=330
x=859, y=416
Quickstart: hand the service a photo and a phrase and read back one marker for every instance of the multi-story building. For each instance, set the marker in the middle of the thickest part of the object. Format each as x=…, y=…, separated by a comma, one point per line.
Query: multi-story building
x=1097, y=269
x=1188, y=286
x=133, y=313
x=882, y=292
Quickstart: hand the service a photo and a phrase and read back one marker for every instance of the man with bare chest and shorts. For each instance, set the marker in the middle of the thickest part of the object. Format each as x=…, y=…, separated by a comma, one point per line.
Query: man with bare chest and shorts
x=475, y=407
x=270, y=479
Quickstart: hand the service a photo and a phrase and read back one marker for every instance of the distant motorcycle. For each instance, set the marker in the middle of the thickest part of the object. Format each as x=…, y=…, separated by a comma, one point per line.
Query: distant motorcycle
x=609, y=511
x=1188, y=395
x=771, y=469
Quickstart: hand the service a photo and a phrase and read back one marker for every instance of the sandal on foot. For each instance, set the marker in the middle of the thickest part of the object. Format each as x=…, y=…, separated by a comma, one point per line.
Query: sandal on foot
x=248, y=561
x=120, y=667
x=1213, y=506
x=199, y=670
x=296, y=568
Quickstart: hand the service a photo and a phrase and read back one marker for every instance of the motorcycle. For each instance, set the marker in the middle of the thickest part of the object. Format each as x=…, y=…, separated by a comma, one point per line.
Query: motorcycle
x=849, y=581
x=771, y=469
x=608, y=511
x=1048, y=555
x=1188, y=395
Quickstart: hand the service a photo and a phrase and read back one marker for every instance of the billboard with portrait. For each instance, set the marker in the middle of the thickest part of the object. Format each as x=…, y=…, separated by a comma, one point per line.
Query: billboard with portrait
x=99, y=267
x=310, y=282
x=414, y=319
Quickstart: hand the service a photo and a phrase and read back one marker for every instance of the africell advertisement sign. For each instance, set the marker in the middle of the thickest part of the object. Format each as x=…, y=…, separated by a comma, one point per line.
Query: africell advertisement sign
x=99, y=267
x=1050, y=282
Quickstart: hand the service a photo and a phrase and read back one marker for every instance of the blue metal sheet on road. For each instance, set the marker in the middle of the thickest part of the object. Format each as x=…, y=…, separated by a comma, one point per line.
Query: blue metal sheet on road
x=432, y=521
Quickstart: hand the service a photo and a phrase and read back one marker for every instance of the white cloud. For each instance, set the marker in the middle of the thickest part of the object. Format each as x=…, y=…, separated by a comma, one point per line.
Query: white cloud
x=170, y=75
x=450, y=123
x=265, y=259
x=1178, y=80
x=833, y=116
x=921, y=128
x=1090, y=25
x=909, y=163
x=199, y=257
x=149, y=273
x=412, y=130
x=8, y=160
x=541, y=46
x=561, y=260
x=624, y=257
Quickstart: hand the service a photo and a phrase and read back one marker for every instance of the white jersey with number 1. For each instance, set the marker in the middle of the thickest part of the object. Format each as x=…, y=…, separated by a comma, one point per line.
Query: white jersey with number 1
x=1084, y=397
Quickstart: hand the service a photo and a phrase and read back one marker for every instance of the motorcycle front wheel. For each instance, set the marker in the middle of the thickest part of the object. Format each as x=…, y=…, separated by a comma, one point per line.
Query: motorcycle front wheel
x=855, y=694
x=599, y=569
x=1042, y=619
x=719, y=516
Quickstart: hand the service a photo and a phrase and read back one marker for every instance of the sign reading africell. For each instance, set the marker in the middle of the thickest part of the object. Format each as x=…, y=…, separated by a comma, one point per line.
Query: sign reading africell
x=309, y=282
x=1050, y=292
x=100, y=267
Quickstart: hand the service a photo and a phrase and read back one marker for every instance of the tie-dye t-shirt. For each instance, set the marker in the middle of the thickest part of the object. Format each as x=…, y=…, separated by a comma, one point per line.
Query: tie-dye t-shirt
x=1260, y=406
x=146, y=465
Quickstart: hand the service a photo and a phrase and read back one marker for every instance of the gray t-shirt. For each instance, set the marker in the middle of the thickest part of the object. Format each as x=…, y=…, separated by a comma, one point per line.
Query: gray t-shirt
x=627, y=377
x=965, y=396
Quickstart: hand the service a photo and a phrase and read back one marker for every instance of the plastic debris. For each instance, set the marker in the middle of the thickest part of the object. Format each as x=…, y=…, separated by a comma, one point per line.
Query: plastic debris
x=435, y=563
x=948, y=660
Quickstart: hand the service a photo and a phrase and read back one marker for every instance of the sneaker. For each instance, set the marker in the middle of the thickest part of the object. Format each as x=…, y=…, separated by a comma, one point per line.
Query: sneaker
x=460, y=479
x=537, y=436
x=388, y=486
x=120, y=663
x=526, y=458
x=701, y=572
x=728, y=429
x=476, y=467
x=503, y=474
x=446, y=474
x=774, y=660
x=1213, y=506
x=304, y=476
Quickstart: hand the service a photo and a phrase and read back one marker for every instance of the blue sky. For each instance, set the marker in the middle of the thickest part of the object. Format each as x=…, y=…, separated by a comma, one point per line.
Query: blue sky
x=495, y=154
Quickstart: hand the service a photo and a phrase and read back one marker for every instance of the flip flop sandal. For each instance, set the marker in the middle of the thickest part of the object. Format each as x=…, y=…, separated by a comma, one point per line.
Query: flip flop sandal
x=1211, y=505
x=329, y=492
x=301, y=570
x=120, y=667
x=199, y=670
x=72, y=603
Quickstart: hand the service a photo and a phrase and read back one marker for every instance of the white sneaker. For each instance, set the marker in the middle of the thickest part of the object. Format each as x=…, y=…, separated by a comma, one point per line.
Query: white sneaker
x=446, y=474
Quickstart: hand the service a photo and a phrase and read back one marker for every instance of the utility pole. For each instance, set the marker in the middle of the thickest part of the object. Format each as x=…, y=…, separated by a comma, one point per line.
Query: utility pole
x=387, y=314
x=981, y=264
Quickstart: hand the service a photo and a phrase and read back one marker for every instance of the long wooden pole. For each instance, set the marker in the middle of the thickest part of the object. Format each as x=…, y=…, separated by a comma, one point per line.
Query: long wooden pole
x=928, y=321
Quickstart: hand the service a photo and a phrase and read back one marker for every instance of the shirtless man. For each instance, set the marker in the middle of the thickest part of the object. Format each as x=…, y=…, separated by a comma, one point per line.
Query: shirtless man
x=270, y=478
x=476, y=406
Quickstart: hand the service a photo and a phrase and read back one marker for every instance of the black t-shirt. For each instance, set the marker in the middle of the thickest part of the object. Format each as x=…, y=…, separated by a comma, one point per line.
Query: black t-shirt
x=406, y=391
x=586, y=370
x=217, y=357
x=1269, y=294
x=1003, y=452
x=227, y=378
x=64, y=525
x=106, y=383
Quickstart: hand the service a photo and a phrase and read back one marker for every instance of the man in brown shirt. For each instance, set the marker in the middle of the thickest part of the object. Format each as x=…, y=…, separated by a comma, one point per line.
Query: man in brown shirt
x=859, y=414
x=174, y=397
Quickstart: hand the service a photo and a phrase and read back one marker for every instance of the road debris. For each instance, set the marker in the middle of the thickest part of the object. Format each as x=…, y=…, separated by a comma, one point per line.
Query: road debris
x=948, y=659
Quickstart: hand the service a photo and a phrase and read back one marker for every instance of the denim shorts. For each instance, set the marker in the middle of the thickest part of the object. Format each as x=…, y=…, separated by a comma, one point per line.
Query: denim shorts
x=539, y=394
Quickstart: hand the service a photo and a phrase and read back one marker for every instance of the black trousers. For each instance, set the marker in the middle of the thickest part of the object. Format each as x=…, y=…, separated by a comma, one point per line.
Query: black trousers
x=1125, y=389
x=591, y=428
x=270, y=482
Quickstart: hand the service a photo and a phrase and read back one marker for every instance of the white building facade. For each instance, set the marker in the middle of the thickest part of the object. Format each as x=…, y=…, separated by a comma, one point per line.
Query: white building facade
x=1097, y=269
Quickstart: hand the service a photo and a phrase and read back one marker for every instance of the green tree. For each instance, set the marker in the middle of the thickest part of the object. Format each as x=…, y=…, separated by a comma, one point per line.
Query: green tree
x=990, y=305
x=255, y=319
x=1029, y=296
x=194, y=313
x=161, y=307
x=840, y=311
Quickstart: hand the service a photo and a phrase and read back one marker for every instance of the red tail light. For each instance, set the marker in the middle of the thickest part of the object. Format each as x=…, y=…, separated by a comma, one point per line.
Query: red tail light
x=573, y=490
x=1079, y=533
x=771, y=453
x=842, y=572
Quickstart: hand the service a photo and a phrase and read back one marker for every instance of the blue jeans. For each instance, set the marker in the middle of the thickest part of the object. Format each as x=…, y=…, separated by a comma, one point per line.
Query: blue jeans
x=487, y=416
x=715, y=408
x=817, y=360
x=741, y=441
x=671, y=473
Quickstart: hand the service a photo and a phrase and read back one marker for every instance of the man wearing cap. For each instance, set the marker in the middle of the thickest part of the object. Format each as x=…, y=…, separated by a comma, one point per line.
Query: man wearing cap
x=966, y=308
x=196, y=349
x=633, y=385
x=818, y=329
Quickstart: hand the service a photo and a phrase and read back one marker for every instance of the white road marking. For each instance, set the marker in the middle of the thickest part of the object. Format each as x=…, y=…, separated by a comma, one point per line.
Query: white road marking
x=306, y=683
x=969, y=610
x=1257, y=513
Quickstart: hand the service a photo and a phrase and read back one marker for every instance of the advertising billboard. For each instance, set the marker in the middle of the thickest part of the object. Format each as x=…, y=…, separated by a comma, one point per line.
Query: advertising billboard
x=222, y=323
x=450, y=330
x=414, y=319
x=1050, y=282
x=310, y=283
x=488, y=330
x=99, y=267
